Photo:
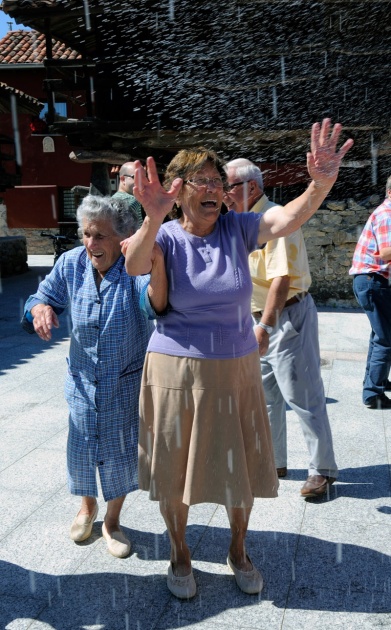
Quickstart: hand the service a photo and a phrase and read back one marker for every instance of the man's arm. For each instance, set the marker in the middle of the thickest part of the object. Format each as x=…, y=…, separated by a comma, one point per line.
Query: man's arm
x=275, y=302
x=385, y=253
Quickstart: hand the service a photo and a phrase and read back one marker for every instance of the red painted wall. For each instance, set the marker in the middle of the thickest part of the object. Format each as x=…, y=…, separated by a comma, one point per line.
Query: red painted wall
x=30, y=81
x=51, y=168
x=279, y=174
x=32, y=207
x=38, y=167
x=27, y=207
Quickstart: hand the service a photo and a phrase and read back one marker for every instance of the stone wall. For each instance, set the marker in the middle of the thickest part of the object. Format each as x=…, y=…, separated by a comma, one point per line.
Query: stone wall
x=331, y=236
x=36, y=244
x=13, y=255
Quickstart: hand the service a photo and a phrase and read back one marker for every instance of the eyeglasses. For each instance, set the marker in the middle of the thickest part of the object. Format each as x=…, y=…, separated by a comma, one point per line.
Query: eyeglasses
x=229, y=187
x=205, y=181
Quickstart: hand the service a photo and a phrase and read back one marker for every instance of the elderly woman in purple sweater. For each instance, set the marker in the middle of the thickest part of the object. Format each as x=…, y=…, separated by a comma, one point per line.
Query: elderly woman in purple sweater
x=204, y=430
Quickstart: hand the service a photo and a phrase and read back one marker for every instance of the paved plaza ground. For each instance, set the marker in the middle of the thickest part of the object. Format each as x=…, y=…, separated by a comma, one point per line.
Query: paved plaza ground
x=326, y=563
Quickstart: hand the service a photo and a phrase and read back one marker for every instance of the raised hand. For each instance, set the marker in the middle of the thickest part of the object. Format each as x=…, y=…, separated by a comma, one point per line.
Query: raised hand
x=324, y=160
x=156, y=201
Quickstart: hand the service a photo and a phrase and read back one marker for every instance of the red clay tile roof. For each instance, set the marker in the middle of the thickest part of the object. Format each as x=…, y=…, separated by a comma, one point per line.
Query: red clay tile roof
x=29, y=47
x=12, y=5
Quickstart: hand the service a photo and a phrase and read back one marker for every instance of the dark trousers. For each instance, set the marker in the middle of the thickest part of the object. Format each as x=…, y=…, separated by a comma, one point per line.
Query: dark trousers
x=373, y=293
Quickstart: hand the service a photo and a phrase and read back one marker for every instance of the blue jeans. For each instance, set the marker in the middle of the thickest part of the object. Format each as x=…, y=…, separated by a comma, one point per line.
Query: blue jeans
x=373, y=293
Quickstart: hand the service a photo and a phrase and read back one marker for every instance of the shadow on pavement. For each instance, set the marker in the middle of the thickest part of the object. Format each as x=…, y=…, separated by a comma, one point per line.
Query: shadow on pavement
x=357, y=576
x=17, y=346
x=364, y=482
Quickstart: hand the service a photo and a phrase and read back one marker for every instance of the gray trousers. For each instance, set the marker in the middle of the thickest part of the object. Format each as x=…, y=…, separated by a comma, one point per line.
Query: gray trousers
x=291, y=374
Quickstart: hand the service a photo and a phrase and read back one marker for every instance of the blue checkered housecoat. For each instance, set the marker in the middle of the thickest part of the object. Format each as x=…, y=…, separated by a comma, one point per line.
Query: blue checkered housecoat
x=109, y=338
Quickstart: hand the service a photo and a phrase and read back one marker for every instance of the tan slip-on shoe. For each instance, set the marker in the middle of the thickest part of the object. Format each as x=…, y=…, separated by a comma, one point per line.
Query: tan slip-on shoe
x=82, y=525
x=250, y=582
x=316, y=486
x=181, y=587
x=118, y=545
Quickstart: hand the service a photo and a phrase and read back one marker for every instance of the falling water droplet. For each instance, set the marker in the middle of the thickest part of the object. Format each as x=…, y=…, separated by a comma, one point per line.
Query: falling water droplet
x=274, y=95
x=32, y=582
x=54, y=208
x=172, y=10
x=178, y=431
x=87, y=14
x=92, y=91
x=15, y=127
x=282, y=70
x=339, y=553
x=230, y=460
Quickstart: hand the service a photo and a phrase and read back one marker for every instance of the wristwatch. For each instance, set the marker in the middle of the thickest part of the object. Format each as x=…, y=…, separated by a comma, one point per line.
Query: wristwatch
x=269, y=329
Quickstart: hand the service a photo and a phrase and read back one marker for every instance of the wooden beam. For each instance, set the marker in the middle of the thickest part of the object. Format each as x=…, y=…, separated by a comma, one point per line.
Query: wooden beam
x=100, y=180
x=68, y=63
x=108, y=157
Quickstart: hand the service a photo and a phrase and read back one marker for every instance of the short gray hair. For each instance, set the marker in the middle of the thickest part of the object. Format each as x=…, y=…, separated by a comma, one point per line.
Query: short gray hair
x=246, y=170
x=388, y=185
x=123, y=218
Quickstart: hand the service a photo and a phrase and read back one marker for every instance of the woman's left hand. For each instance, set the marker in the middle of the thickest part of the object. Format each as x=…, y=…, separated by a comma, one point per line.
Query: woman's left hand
x=324, y=160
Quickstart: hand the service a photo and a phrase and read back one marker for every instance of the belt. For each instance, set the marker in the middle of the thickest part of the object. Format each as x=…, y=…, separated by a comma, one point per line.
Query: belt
x=296, y=298
x=373, y=273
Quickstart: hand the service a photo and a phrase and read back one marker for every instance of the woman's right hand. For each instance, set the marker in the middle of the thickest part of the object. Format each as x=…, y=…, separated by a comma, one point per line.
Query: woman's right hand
x=44, y=320
x=156, y=201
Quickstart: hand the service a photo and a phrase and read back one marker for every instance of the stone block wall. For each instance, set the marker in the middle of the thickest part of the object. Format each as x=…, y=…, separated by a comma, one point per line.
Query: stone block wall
x=331, y=236
x=36, y=244
x=13, y=255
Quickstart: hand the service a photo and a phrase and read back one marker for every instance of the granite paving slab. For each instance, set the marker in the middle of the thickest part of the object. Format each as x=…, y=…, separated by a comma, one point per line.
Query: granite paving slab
x=326, y=562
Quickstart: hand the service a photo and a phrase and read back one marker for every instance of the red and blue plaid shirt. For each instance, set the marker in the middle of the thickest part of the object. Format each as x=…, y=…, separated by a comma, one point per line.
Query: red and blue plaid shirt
x=375, y=236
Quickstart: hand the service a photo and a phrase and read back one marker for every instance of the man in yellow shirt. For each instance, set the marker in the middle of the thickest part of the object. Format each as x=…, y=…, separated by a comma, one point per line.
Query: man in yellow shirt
x=286, y=327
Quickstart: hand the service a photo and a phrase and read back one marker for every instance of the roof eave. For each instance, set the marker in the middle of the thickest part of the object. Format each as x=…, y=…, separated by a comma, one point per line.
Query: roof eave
x=22, y=66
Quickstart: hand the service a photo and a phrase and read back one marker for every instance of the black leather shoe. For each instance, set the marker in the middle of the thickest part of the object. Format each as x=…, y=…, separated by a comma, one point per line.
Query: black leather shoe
x=387, y=387
x=378, y=402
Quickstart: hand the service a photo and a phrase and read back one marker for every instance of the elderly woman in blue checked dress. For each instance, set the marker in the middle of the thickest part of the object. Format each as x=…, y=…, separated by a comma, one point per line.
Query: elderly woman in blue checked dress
x=204, y=430
x=109, y=338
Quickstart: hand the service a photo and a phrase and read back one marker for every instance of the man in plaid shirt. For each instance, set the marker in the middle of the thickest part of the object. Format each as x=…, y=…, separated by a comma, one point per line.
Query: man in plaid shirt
x=372, y=288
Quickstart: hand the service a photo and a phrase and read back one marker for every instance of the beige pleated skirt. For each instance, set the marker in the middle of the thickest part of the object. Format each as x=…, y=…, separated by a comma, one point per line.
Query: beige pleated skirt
x=204, y=431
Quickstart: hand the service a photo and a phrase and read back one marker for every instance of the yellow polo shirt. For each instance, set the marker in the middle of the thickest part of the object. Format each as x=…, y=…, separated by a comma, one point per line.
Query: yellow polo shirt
x=285, y=256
